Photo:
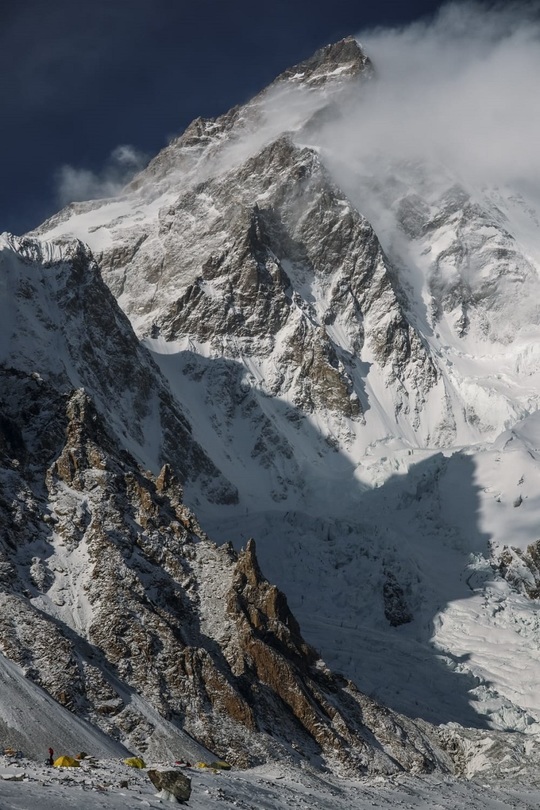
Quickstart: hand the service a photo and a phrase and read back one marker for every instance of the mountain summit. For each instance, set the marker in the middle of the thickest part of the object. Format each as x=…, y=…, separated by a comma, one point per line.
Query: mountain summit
x=332, y=63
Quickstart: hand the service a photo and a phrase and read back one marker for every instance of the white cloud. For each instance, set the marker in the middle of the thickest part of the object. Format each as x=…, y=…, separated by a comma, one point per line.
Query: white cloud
x=460, y=89
x=74, y=184
x=126, y=155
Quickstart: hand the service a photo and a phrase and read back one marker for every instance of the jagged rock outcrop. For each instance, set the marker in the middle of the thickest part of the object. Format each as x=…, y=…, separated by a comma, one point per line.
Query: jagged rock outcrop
x=521, y=568
x=396, y=609
x=330, y=65
x=120, y=593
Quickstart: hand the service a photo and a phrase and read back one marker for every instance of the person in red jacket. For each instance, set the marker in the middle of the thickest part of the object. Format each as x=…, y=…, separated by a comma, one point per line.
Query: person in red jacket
x=50, y=759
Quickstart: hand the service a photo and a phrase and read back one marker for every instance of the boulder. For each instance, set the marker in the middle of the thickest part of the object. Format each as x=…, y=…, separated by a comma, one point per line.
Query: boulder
x=171, y=781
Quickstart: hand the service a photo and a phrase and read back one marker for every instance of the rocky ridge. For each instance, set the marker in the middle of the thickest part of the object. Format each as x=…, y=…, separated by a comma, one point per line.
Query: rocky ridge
x=64, y=330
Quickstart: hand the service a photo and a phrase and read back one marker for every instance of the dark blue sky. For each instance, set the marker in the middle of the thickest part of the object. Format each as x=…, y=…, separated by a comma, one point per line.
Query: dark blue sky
x=78, y=78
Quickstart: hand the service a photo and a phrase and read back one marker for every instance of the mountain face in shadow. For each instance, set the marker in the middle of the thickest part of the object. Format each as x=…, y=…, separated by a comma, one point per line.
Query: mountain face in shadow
x=369, y=570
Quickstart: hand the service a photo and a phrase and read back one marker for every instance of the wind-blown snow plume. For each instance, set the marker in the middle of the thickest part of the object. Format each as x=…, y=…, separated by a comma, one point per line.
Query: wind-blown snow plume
x=460, y=89
x=457, y=92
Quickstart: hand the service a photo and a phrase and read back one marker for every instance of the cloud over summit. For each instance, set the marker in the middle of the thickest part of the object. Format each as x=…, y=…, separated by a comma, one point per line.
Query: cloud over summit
x=460, y=89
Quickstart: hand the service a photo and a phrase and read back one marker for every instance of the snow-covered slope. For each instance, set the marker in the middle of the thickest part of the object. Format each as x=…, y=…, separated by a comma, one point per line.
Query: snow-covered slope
x=355, y=349
x=111, y=785
x=33, y=722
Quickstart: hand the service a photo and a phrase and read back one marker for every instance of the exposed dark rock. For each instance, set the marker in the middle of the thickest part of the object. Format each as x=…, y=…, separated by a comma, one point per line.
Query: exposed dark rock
x=396, y=609
x=173, y=781
x=92, y=347
x=521, y=568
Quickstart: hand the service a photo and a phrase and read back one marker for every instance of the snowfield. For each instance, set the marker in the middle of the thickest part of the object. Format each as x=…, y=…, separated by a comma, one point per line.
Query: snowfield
x=264, y=788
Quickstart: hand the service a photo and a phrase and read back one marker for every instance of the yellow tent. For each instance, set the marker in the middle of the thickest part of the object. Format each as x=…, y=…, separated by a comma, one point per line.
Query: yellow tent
x=214, y=767
x=135, y=762
x=221, y=765
x=66, y=762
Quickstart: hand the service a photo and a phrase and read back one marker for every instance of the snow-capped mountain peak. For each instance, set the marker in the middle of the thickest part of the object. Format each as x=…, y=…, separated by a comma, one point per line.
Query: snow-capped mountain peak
x=336, y=356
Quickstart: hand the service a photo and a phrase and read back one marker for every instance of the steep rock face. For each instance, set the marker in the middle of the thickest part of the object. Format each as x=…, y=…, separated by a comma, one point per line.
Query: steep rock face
x=262, y=255
x=271, y=261
x=329, y=707
x=253, y=293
